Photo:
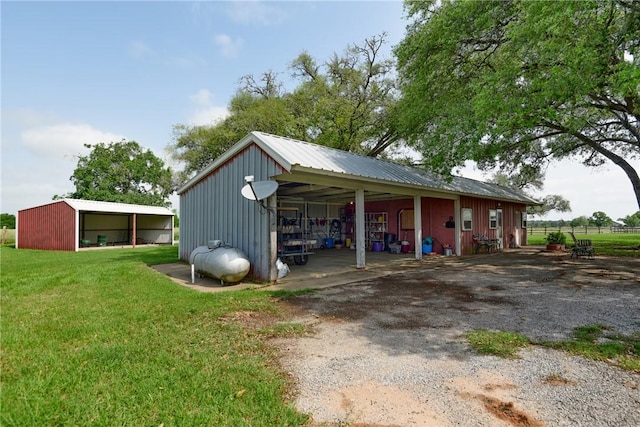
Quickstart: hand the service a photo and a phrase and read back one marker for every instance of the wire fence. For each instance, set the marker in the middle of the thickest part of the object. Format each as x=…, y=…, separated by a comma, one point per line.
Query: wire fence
x=584, y=230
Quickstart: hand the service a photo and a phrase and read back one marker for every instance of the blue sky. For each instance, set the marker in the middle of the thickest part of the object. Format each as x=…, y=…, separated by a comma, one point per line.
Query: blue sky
x=88, y=72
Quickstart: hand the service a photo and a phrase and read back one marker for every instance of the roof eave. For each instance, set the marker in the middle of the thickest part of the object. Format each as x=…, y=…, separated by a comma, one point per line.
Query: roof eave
x=413, y=189
x=81, y=205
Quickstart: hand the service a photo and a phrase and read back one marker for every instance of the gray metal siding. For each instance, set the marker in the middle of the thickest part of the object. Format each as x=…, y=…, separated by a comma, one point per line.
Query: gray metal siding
x=215, y=209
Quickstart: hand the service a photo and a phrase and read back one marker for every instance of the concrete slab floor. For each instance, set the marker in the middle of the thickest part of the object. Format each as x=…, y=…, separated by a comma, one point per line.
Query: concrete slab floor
x=325, y=268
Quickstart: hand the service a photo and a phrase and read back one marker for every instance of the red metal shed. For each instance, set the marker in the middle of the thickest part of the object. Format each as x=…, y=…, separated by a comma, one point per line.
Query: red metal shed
x=69, y=224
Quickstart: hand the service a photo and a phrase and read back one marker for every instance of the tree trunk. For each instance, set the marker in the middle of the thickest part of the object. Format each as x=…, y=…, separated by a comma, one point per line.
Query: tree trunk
x=619, y=161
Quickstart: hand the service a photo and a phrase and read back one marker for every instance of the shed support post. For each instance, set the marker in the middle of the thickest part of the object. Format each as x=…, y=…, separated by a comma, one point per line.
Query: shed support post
x=272, y=213
x=134, y=230
x=417, y=225
x=79, y=219
x=360, y=239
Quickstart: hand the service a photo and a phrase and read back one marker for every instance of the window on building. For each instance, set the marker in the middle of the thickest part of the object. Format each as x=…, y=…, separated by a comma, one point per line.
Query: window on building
x=467, y=223
x=493, y=219
x=524, y=220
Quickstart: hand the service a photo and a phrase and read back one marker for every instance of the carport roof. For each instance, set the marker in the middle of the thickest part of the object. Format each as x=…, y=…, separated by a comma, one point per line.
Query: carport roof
x=294, y=155
x=111, y=207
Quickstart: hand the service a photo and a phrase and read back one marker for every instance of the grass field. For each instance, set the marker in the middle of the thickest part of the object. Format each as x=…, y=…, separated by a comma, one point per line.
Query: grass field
x=98, y=338
x=614, y=244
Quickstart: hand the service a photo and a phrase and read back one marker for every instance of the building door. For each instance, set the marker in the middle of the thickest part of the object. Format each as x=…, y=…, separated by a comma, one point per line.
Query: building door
x=499, y=227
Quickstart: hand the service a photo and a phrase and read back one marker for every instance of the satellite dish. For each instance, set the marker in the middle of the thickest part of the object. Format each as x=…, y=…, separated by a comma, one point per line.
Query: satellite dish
x=259, y=190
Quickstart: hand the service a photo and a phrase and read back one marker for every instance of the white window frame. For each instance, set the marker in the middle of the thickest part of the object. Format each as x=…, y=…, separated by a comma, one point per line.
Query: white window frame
x=467, y=219
x=493, y=219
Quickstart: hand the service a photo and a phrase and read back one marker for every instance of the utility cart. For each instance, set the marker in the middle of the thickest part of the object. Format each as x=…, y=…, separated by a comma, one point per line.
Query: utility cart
x=293, y=240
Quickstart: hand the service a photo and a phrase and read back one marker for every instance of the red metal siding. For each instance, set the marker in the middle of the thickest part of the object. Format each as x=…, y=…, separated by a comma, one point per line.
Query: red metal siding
x=49, y=227
x=480, y=221
x=435, y=213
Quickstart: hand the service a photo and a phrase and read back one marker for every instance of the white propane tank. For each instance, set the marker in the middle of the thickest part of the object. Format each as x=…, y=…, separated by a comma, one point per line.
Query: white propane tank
x=220, y=261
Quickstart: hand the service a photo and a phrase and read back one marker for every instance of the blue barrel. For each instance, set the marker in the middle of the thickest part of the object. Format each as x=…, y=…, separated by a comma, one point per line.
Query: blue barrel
x=427, y=245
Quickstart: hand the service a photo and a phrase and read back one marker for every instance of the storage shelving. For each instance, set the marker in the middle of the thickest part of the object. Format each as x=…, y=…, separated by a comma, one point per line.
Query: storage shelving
x=293, y=240
x=375, y=226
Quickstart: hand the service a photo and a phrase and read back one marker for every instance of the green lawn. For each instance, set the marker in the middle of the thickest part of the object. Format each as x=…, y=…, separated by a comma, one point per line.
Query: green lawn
x=614, y=244
x=99, y=338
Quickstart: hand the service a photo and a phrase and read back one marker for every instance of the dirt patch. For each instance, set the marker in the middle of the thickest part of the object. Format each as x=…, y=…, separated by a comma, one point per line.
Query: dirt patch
x=402, y=408
x=253, y=320
x=508, y=412
x=558, y=380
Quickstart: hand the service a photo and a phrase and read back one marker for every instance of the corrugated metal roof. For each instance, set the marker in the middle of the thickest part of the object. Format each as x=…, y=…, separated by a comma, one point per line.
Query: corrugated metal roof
x=319, y=157
x=98, y=206
x=291, y=153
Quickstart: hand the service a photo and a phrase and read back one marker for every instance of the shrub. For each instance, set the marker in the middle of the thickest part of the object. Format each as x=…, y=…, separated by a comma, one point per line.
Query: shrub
x=556, y=238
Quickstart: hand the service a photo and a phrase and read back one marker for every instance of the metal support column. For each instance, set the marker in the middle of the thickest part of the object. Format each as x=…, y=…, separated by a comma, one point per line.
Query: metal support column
x=133, y=241
x=458, y=227
x=360, y=236
x=417, y=225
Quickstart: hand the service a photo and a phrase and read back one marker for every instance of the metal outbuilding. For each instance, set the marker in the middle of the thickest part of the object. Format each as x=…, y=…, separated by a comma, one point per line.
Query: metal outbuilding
x=322, y=185
x=70, y=224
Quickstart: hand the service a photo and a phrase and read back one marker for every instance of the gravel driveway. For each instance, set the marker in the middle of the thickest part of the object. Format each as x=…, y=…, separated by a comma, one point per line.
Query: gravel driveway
x=390, y=351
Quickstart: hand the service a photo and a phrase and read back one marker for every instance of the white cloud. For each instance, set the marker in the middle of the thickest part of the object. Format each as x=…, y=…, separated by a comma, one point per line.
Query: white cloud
x=26, y=117
x=138, y=49
x=187, y=60
x=23, y=195
x=228, y=46
x=201, y=97
x=208, y=116
x=606, y=188
x=64, y=140
x=256, y=12
x=205, y=112
x=587, y=189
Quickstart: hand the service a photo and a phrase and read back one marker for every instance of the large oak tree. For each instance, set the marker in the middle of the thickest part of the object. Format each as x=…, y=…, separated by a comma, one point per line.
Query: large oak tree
x=122, y=172
x=517, y=84
x=345, y=102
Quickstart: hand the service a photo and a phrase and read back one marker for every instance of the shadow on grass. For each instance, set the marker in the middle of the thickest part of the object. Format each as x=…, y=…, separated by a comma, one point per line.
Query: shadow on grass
x=149, y=255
